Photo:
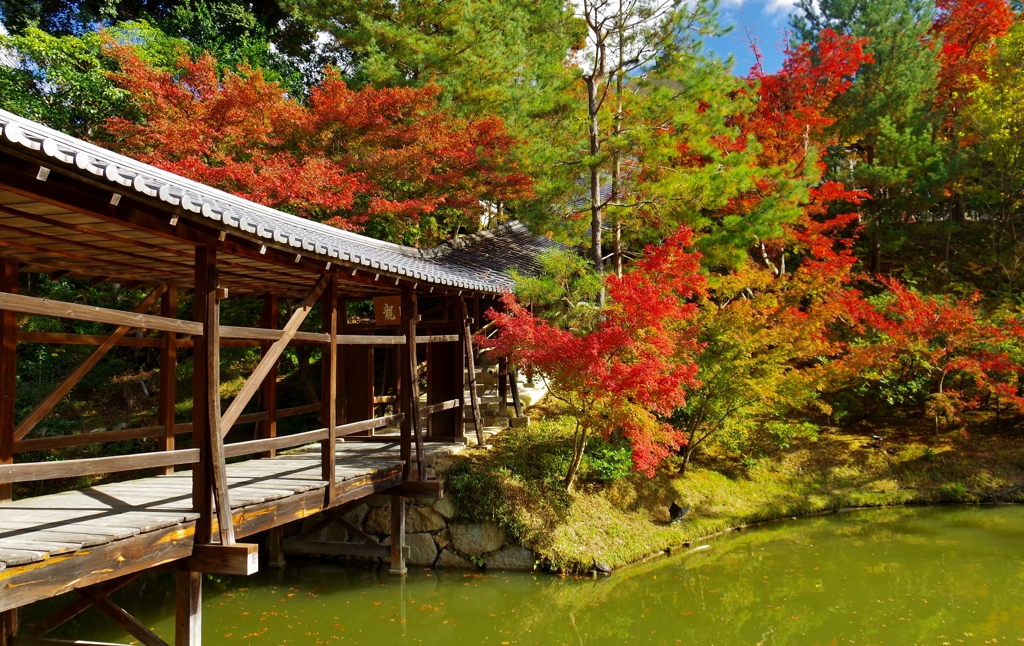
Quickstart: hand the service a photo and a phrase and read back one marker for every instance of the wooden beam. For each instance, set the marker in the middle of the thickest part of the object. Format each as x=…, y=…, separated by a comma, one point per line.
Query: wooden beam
x=273, y=354
x=274, y=443
x=168, y=372
x=32, y=471
x=127, y=622
x=8, y=369
x=188, y=609
x=412, y=396
x=237, y=558
x=60, y=309
x=77, y=607
x=275, y=548
x=398, y=553
x=217, y=467
x=268, y=389
x=202, y=495
x=329, y=388
x=9, y=627
x=441, y=406
x=478, y=418
x=47, y=405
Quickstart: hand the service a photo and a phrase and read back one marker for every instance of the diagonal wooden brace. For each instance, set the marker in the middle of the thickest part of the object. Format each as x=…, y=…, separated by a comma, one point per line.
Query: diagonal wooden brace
x=48, y=404
x=269, y=360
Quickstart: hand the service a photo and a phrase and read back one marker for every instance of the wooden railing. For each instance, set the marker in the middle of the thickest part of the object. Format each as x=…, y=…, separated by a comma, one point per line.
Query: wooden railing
x=241, y=336
x=144, y=432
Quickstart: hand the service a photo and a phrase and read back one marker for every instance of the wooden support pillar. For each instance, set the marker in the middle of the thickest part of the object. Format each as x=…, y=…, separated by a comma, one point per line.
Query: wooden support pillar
x=502, y=387
x=215, y=462
x=445, y=381
x=188, y=611
x=8, y=627
x=398, y=535
x=329, y=388
x=168, y=373
x=412, y=396
x=8, y=369
x=474, y=399
x=202, y=498
x=268, y=389
x=275, y=548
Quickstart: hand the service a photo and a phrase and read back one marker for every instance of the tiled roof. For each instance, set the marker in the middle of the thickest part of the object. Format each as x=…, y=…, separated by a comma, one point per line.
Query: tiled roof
x=478, y=262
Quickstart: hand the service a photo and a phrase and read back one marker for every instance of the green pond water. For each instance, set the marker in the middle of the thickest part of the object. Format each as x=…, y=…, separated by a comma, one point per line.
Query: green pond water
x=939, y=575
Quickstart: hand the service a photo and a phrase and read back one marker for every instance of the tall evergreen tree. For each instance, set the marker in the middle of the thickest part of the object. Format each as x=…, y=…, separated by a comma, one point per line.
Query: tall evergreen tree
x=885, y=123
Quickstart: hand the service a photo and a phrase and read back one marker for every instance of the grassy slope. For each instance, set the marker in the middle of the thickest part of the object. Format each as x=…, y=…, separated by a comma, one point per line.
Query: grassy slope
x=628, y=520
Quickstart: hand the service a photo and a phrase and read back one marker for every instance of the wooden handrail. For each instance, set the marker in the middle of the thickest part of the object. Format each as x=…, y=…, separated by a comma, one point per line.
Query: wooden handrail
x=437, y=338
x=369, y=424
x=60, y=309
x=440, y=406
x=34, y=471
x=143, y=432
x=274, y=443
x=368, y=339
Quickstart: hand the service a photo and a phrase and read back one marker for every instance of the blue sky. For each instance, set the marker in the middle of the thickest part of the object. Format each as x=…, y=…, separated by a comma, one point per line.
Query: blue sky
x=764, y=21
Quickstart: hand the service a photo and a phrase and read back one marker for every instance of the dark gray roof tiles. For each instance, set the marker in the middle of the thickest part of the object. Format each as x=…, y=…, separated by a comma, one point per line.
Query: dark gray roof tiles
x=478, y=262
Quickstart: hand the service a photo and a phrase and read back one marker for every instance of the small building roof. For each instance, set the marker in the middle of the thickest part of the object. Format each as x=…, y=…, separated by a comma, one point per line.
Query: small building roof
x=478, y=263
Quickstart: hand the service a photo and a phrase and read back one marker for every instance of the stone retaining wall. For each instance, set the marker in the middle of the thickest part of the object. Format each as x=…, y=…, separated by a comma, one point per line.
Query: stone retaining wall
x=434, y=535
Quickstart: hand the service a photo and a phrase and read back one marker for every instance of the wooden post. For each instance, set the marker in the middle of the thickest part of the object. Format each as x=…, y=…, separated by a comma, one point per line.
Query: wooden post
x=502, y=388
x=188, y=612
x=202, y=499
x=9, y=627
x=168, y=371
x=398, y=535
x=409, y=318
x=404, y=390
x=275, y=547
x=215, y=448
x=268, y=390
x=329, y=388
x=478, y=418
x=8, y=369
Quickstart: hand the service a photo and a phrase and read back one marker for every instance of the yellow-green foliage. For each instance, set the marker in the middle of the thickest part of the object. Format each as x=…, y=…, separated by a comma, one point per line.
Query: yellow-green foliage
x=626, y=520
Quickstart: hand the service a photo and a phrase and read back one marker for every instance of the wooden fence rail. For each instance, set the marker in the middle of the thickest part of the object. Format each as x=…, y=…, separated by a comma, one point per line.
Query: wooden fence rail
x=32, y=471
x=144, y=432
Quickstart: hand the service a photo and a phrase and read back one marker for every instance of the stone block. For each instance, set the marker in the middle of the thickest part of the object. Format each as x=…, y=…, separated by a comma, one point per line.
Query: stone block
x=443, y=539
x=445, y=507
x=518, y=422
x=378, y=521
x=422, y=519
x=450, y=559
x=477, y=539
x=334, y=532
x=513, y=557
x=422, y=549
x=378, y=500
x=357, y=515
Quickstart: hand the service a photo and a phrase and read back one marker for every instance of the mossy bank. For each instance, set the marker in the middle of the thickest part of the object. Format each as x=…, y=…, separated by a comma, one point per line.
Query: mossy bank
x=619, y=516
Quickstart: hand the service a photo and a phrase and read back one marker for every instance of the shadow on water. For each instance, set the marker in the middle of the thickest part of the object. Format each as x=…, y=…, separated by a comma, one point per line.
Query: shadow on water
x=931, y=575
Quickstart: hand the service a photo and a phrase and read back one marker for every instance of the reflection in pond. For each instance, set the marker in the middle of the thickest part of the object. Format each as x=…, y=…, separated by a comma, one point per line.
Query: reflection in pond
x=939, y=575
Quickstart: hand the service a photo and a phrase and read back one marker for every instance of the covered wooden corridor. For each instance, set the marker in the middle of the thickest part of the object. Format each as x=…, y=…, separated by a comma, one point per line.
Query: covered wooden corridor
x=69, y=209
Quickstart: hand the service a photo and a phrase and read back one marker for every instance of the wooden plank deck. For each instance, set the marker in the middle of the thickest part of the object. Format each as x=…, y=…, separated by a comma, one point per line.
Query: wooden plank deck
x=55, y=543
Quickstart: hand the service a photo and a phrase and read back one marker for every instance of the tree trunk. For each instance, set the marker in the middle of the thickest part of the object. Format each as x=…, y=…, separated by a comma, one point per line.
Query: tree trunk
x=577, y=459
x=596, y=207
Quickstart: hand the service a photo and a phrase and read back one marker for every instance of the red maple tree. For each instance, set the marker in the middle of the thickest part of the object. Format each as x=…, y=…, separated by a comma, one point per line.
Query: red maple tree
x=630, y=372
x=373, y=159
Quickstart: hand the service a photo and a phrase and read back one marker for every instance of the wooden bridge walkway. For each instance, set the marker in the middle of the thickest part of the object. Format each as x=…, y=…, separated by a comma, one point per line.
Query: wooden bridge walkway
x=123, y=527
